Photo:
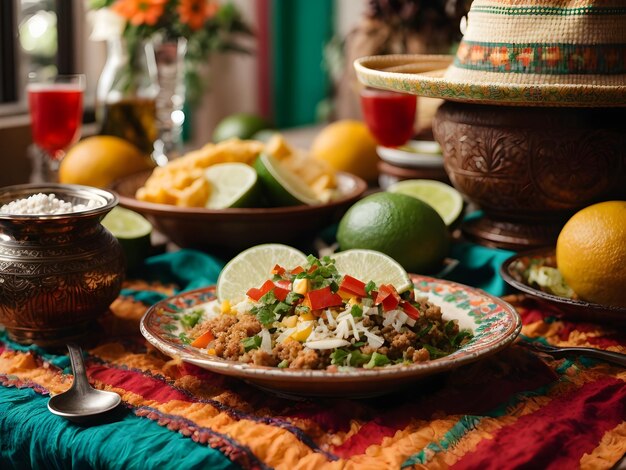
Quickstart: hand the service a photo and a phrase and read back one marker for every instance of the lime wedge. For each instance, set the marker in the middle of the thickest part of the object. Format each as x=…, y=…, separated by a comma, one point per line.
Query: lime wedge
x=370, y=265
x=446, y=200
x=252, y=267
x=133, y=231
x=232, y=185
x=284, y=187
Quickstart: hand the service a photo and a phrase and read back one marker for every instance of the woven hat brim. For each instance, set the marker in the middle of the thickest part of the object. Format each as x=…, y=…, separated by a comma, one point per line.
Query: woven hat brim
x=423, y=75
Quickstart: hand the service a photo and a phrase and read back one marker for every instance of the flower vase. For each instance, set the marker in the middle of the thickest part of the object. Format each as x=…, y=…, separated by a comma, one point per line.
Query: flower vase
x=170, y=66
x=126, y=97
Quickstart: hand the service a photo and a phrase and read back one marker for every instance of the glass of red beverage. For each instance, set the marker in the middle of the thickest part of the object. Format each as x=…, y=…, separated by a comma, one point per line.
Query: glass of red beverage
x=56, y=112
x=390, y=116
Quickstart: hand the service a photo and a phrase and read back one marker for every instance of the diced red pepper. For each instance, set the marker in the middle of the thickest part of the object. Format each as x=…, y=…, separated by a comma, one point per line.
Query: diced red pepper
x=256, y=294
x=322, y=298
x=410, y=309
x=388, y=297
x=353, y=286
x=280, y=293
x=277, y=269
x=203, y=340
x=313, y=268
x=297, y=270
x=285, y=284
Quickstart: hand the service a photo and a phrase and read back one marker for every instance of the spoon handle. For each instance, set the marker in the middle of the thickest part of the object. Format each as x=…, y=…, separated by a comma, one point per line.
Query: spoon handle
x=78, y=367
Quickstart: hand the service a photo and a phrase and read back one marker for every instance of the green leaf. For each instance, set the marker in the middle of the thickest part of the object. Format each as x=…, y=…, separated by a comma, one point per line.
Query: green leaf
x=369, y=287
x=191, y=319
x=265, y=315
x=377, y=360
x=268, y=298
x=184, y=338
x=252, y=342
x=338, y=357
x=357, y=358
x=293, y=297
x=435, y=352
x=356, y=311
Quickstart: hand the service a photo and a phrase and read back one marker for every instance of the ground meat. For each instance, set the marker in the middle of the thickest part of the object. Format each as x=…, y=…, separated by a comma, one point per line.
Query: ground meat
x=306, y=359
x=287, y=351
x=229, y=333
x=421, y=355
x=400, y=343
x=428, y=310
x=262, y=358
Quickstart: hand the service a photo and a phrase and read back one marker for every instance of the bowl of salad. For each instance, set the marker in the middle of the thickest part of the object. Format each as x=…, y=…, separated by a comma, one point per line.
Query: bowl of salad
x=354, y=324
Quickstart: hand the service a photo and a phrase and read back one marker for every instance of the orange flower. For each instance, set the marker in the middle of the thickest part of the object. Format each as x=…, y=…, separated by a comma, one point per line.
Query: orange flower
x=140, y=11
x=195, y=12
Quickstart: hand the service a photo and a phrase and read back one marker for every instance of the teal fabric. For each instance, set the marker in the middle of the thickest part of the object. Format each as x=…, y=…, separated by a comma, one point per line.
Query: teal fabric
x=479, y=266
x=32, y=437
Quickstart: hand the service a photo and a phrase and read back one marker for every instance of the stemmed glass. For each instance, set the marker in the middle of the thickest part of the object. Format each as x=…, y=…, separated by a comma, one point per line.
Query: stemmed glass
x=56, y=111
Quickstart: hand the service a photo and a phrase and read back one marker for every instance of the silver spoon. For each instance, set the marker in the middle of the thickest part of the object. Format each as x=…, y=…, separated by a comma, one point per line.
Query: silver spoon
x=81, y=401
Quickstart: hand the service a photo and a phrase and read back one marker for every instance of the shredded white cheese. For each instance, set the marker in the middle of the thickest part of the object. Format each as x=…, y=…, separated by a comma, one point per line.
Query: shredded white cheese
x=45, y=204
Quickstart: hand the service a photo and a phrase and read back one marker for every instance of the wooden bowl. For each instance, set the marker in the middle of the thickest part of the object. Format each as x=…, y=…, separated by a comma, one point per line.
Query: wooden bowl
x=228, y=231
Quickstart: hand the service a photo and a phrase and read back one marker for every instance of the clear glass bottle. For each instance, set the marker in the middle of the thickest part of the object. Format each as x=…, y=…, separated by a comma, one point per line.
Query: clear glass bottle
x=127, y=93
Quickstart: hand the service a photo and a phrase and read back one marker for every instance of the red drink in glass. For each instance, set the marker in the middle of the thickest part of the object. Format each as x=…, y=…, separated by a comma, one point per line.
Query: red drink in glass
x=56, y=113
x=389, y=116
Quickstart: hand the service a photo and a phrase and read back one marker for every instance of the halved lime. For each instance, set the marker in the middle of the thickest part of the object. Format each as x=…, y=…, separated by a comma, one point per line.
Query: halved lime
x=370, y=265
x=446, y=200
x=133, y=231
x=284, y=187
x=232, y=185
x=252, y=267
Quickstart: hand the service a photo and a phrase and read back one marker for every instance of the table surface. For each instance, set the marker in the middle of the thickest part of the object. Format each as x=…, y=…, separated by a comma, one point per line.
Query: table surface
x=514, y=409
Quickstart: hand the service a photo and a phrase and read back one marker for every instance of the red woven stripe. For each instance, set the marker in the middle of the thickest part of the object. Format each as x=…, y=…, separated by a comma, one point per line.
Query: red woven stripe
x=147, y=387
x=557, y=435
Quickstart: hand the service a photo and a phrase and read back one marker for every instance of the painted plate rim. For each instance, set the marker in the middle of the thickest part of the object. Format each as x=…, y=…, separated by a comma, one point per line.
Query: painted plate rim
x=494, y=342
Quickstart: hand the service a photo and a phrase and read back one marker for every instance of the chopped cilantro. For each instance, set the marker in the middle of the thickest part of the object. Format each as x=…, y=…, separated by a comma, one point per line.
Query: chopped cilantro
x=356, y=311
x=252, y=342
x=281, y=307
x=434, y=352
x=339, y=356
x=268, y=298
x=293, y=297
x=190, y=319
x=264, y=314
x=449, y=327
x=369, y=287
x=458, y=339
x=184, y=338
x=357, y=358
x=425, y=330
x=358, y=344
x=301, y=309
x=377, y=360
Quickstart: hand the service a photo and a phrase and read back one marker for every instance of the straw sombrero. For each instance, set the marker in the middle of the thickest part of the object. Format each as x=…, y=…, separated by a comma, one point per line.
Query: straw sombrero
x=520, y=52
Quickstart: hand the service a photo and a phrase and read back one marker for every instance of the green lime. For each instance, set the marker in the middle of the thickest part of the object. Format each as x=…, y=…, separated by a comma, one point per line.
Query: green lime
x=401, y=226
x=369, y=265
x=283, y=187
x=252, y=267
x=241, y=126
x=264, y=135
x=133, y=231
x=232, y=185
x=446, y=200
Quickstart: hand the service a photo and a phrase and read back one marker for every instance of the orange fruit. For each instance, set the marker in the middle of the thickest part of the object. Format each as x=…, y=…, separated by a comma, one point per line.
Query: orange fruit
x=99, y=160
x=349, y=146
x=591, y=253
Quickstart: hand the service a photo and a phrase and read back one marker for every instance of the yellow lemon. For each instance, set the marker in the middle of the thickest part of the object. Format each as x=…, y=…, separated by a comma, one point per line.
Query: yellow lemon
x=100, y=160
x=591, y=253
x=347, y=145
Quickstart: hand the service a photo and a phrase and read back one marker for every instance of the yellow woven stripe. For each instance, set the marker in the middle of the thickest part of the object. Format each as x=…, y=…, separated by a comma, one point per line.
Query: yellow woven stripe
x=610, y=450
x=471, y=76
x=485, y=27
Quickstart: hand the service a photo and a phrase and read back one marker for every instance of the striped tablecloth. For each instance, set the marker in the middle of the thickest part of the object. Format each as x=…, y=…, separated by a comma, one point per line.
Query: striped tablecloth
x=517, y=409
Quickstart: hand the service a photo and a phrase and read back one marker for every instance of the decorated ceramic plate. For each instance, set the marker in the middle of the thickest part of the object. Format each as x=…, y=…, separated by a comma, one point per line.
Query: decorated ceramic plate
x=514, y=269
x=495, y=325
x=416, y=153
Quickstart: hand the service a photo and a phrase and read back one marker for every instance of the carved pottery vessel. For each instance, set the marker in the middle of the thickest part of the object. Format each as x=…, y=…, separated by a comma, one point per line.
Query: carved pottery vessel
x=58, y=273
x=530, y=169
